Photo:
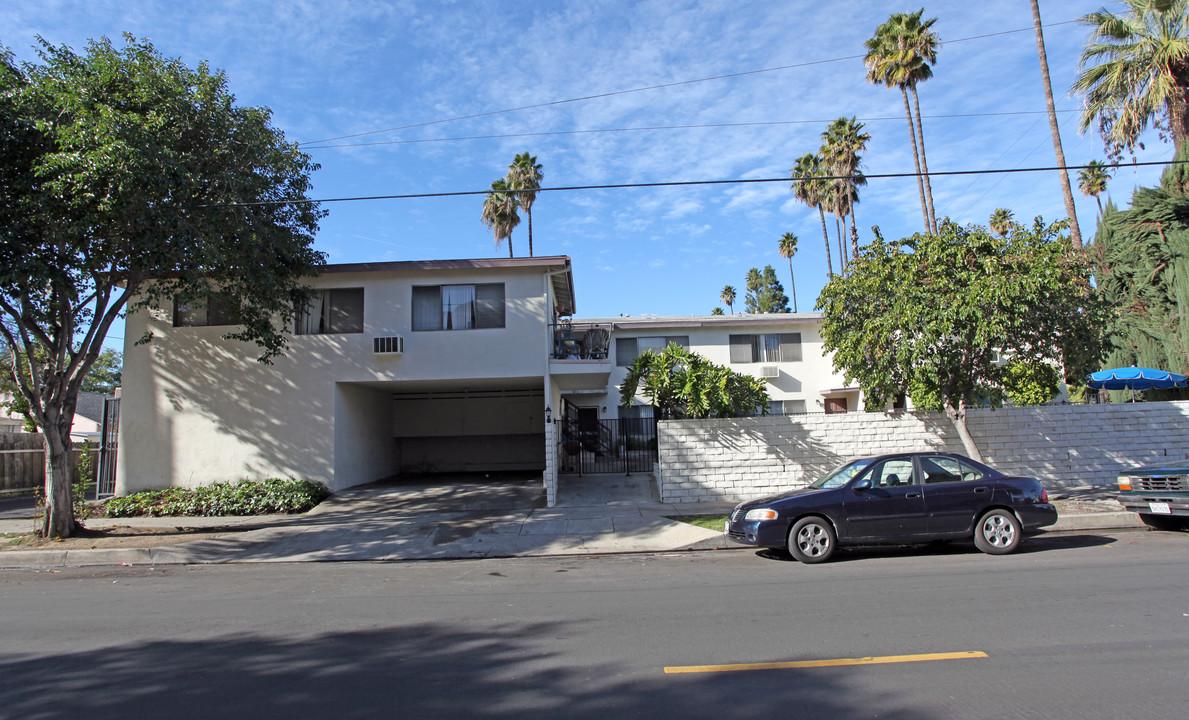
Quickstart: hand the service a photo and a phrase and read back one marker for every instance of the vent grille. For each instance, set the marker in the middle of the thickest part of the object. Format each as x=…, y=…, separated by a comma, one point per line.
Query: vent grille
x=769, y=371
x=1170, y=483
x=393, y=345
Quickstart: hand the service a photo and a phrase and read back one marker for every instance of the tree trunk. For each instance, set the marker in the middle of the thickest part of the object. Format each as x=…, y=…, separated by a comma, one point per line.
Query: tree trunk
x=916, y=159
x=59, y=510
x=826, y=235
x=838, y=238
x=916, y=103
x=854, y=234
x=530, y=231
x=1075, y=233
x=958, y=418
x=793, y=284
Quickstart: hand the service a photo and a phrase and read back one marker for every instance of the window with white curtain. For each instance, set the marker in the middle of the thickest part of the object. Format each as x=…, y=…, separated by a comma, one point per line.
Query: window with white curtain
x=772, y=347
x=458, y=307
x=337, y=310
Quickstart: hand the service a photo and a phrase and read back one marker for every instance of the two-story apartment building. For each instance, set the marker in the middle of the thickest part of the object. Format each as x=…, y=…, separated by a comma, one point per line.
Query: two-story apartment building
x=418, y=367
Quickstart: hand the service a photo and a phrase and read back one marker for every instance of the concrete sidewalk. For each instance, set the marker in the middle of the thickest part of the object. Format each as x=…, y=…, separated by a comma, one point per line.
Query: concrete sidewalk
x=451, y=519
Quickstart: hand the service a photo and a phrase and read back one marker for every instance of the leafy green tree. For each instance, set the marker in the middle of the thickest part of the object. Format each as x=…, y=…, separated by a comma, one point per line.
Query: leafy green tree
x=1000, y=222
x=728, y=297
x=525, y=176
x=1144, y=275
x=128, y=179
x=788, y=248
x=1031, y=383
x=811, y=187
x=1092, y=181
x=929, y=315
x=717, y=311
x=901, y=54
x=499, y=212
x=683, y=384
x=765, y=294
x=1135, y=69
x=106, y=373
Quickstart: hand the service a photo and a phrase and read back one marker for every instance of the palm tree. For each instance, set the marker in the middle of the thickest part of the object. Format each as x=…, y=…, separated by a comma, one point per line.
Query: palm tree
x=1092, y=181
x=788, y=248
x=499, y=212
x=1135, y=69
x=810, y=188
x=842, y=142
x=525, y=176
x=1075, y=233
x=728, y=297
x=900, y=55
x=1000, y=222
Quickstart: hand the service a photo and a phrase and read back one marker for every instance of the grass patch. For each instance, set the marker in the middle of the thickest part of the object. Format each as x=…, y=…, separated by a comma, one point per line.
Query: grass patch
x=710, y=522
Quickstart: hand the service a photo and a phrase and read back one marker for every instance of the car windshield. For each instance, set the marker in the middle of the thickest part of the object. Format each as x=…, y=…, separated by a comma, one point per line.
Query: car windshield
x=842, y=474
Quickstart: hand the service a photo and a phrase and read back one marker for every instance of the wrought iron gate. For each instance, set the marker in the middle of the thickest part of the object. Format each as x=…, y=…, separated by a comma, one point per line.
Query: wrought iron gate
x=590, y=446
x=109, y=434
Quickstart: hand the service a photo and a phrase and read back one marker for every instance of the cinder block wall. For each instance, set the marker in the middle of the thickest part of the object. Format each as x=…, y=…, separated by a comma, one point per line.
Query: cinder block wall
x=1062, y=445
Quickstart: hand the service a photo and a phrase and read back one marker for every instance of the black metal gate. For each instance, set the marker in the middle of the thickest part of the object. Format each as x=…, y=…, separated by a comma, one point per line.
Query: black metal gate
x=591, y=446
x=108, y=436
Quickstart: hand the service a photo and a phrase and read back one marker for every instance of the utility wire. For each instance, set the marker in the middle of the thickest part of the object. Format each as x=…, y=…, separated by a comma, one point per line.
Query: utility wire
x=661, y=86
x=687, y=183
x=677, y=127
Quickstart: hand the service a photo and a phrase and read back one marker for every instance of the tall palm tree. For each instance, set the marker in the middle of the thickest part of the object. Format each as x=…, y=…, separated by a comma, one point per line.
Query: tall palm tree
x=1075, y=232
x=1092, y=181
x=842, y=142
x=901, y=54
x=728, y=297
x=788, y=248
x=525, y=176
x=499, y=212
x=1000, y=222
x=810, y=188
x=1135, y=69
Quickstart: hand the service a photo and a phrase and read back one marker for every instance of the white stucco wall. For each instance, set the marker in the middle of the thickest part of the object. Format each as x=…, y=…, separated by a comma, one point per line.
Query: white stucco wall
x=1062, y=445
x=198, y=409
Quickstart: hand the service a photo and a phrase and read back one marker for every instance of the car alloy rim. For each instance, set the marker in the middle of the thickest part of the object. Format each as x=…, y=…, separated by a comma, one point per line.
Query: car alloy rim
x=812, y=540
x=998, y=531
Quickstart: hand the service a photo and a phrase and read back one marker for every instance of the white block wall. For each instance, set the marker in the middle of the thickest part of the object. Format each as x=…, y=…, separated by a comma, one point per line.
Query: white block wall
x=1062, y=445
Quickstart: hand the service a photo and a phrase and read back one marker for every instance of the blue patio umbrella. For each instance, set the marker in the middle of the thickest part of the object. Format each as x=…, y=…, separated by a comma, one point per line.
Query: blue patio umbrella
x=1136, y=378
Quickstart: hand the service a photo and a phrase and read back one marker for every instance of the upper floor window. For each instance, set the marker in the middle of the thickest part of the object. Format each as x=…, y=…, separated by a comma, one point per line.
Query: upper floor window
x=774, y=347
x=337, y=310
x=210, y=310
x=458, y=307
x=628, y=349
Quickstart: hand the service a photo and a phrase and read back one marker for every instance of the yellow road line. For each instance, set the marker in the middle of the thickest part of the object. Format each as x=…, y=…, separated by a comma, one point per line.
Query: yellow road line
x=827, y=663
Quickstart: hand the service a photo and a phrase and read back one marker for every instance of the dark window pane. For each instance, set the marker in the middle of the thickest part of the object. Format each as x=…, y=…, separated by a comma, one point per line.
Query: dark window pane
x=345, y=311
x=489, y=305
x=427, y=308
x=741, y=348
x=625, y=351
x=790, y=347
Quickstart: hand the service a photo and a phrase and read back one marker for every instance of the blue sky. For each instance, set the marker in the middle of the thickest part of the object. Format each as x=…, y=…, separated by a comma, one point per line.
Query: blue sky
x=335, y=68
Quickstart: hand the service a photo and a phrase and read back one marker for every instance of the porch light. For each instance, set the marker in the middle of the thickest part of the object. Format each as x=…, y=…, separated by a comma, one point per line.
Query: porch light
x=548, y=415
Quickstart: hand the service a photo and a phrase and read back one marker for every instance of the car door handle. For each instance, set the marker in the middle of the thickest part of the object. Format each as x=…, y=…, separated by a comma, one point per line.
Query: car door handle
x=980, y=489
x=912, y=495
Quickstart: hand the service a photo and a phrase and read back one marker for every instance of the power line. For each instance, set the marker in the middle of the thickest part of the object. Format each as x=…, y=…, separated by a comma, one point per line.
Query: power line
x=677, y=127
x=661, y=86
x=688, y=183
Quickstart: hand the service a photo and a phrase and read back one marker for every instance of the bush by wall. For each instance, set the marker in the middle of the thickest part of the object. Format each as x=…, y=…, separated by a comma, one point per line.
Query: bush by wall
x=266, y=497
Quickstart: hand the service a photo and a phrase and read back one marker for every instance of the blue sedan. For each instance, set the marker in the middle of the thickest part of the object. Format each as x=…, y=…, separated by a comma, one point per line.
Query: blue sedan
x=902, y=498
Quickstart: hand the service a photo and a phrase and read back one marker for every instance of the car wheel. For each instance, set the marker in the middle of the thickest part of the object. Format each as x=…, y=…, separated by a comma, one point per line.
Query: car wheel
x=812, y=540
x=1160, y=522
x=997, y=532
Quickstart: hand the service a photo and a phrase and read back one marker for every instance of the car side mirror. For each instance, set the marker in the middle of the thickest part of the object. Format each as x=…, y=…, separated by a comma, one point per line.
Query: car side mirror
x=864, y=484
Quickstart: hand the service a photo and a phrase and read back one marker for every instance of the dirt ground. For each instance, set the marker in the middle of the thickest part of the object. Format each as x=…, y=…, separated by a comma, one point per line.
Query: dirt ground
x=121, y=536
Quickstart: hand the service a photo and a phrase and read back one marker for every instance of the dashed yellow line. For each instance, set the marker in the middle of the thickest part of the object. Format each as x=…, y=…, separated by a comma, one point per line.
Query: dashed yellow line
x=839, y=662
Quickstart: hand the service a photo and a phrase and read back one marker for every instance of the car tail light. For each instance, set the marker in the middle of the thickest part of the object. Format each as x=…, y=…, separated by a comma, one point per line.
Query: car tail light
x=1044, y=495
x=1124, y=482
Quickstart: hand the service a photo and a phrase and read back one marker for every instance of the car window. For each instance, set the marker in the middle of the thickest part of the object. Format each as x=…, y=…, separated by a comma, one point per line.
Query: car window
x=841, y=475
x=891, y=473
x=940, y=469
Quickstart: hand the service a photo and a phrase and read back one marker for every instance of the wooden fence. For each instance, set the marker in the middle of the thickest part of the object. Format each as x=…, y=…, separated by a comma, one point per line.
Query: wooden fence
x=22, y=461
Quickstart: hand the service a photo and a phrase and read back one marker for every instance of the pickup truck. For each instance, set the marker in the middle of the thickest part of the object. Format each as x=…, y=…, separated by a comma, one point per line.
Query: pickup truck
x=1159, y=493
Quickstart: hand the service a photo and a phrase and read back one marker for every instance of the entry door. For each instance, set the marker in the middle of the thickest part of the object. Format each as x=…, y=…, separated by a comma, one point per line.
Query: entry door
x=891, y=508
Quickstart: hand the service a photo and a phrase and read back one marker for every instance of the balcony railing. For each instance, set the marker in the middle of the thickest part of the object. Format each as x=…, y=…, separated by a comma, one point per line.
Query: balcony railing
x=581, y=341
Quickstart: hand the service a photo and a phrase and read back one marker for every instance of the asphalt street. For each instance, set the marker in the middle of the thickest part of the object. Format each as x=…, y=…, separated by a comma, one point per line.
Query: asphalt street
x=1085, y=625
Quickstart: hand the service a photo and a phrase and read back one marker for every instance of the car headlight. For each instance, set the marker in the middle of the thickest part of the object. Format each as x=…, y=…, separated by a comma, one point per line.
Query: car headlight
x=760, y=514
x=1124, y=482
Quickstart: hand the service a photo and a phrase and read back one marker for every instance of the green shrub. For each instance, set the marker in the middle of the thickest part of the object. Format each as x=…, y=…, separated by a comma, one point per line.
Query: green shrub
x=272, y=496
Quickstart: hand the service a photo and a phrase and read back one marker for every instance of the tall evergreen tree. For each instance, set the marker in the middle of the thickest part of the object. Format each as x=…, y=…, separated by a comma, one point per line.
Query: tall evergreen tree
x=765, y=294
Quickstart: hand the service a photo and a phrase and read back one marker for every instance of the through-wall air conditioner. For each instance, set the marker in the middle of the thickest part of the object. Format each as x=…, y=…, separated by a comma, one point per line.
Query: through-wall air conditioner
x=391, y=345
x=769, y=371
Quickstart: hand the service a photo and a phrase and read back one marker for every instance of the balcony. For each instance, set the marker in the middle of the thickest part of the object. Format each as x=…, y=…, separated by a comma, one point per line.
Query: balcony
x=580, y=357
